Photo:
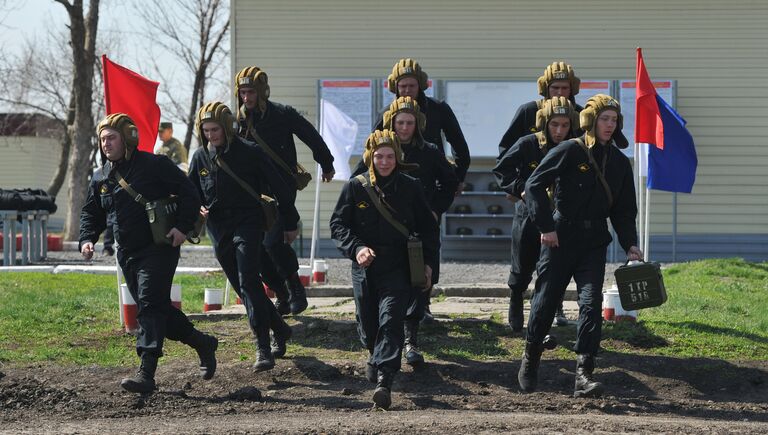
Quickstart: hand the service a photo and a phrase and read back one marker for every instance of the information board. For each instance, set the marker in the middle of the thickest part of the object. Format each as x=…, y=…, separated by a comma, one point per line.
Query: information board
x=485, y=110
x=590, y=88
x=353, y=97
x=664, y=88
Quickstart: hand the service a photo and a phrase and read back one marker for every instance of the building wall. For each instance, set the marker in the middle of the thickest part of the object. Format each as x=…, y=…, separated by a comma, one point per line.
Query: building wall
x=30, y=162
x=717, y=51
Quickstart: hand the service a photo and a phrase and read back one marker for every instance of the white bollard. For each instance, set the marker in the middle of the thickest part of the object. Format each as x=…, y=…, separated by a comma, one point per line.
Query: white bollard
x=214, y=297
x=176, y=295
x=320, y=272
x=130, y=311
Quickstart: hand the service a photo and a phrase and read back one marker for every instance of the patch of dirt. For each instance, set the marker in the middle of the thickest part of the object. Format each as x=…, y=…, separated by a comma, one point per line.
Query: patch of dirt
x=647, y=393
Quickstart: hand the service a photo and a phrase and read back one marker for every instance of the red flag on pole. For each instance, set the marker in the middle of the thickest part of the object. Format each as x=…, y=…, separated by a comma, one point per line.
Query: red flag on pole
x=129, y=93
x=648, y=125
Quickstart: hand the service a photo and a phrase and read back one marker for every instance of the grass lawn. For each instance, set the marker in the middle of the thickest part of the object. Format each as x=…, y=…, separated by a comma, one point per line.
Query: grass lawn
x=716, y=309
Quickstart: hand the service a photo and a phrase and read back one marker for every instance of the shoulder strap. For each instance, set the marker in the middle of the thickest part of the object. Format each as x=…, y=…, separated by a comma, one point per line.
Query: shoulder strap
x=380, y=207
x=600, y=175
x=223, y=165
x=127, y=187
x=267, y=149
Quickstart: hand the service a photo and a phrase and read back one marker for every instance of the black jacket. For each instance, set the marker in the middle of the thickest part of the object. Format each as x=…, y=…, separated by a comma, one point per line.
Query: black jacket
x=356, y=223
x=524, y=123
x=440, y=117
x=580, y=199
x=517, y=164
x=435, y=173
x=224, y=196
x=152, y=176
x=277, y=128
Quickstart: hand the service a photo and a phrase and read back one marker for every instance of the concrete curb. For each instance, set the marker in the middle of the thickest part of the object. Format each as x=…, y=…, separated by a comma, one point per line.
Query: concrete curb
x=72, y=246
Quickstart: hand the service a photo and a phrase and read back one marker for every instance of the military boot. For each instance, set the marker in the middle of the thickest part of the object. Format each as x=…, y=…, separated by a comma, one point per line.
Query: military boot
x=412, y=355
x=516, y=311
x=382, y=395
x=282, y=296
x=264, y=360
x=528, y=376
x=371, y=373
x=280, y=335
x=586, y=385
x=298, y=299
x=206, y=346
x=560, y=319
x=144, y=380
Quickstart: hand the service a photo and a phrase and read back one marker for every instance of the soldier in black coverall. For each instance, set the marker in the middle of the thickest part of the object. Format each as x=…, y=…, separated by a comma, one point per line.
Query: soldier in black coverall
x=556, y=122
x=575, y=237
x=558, y=80
x=148, y=267
x=276, y=125
x=380, y=266
x=440, y=183
x=235, y=218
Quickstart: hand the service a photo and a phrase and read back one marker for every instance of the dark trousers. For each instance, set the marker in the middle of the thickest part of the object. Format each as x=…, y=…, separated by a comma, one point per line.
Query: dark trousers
x=109, y=237
x=586, y=265
x=280, y=261
x=149, y=275
x=526, y=245
x=237, y=244
x=381, y=303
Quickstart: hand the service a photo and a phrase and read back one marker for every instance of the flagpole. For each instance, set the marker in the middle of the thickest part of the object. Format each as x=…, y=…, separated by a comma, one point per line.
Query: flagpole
x=647, y=232
x=315, y=218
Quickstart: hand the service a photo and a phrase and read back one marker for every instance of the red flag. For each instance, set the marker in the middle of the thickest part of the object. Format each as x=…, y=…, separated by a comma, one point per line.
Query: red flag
x=648, y=126
x=129, y=93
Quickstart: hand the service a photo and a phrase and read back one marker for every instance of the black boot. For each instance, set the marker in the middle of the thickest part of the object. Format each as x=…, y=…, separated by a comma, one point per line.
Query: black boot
x=528, y=376
x=371, y=373
x=282, y=296
x=586, y=385
x=382, y=395
x=412, y=355
x=281, y=333
x=298, y=299
x=516, y=311
x=560, y=319
x=264, y=360
x=144, y=380
x=206, y=346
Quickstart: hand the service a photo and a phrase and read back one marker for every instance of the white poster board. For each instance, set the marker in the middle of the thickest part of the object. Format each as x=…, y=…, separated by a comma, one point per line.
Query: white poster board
x=485, y=109
x=664, y=88
x=590, y=88
x=354, y=98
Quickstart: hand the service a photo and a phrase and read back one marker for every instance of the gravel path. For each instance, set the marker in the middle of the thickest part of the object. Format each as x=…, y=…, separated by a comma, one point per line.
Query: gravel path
x=492, y=273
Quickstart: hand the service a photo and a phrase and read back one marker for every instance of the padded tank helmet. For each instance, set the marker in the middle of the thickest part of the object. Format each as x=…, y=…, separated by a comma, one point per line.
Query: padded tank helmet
x=555, y=106
x=558, y=71
x=382, y=139
x=404, y=105
x=125, y=126
x=407, y=68
x=253, y=77
x=219, y=113
x=588, y=118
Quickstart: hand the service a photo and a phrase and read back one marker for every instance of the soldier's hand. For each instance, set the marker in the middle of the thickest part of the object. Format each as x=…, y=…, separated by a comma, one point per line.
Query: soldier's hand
x=203, y=211
x=328, y=176
x=176, y=236
x=428, y=275
x=550, y=239
x=512, y=198
x=290, y=236
x=634, y=254
x=365, y=257
x=87, y=250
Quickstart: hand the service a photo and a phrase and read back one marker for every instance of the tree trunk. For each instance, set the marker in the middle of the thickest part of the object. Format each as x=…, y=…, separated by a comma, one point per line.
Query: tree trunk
x=83, y=32
x=66, y=145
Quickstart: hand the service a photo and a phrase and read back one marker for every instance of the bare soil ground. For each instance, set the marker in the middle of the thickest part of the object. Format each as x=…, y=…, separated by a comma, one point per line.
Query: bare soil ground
x=304, y=394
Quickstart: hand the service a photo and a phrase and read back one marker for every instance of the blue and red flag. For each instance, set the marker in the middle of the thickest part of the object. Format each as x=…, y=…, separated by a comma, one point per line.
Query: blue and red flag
x=132, y=94
x=671, y=152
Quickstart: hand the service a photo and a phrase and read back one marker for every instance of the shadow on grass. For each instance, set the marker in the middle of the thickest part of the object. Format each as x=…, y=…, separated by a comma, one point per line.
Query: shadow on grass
x=716, y=330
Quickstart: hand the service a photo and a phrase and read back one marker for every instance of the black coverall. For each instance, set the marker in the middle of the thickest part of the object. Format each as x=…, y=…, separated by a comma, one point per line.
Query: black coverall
x=439, y=181
x=235, y=218
x=277, y=127
x=440, y=117
x=512, y=171
x=524, y=123
x=582, y=230
x=383, y=289
x=148, y=268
